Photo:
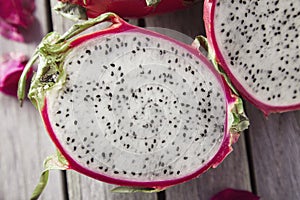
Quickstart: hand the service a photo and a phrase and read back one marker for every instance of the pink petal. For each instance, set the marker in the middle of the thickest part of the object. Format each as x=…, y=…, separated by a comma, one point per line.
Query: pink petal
x=233, y=194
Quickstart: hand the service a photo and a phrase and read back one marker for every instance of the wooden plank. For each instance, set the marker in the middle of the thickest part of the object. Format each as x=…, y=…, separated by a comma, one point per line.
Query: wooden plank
x=275, y=148
x=187, y=21
x=83, y=187
x=23, y=141
x=80, y=186
x=24, y=145
x=234, y=171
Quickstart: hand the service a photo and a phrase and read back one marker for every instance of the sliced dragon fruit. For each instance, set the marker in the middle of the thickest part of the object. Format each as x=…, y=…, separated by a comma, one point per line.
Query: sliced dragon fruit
x=257, y=44
x=132, y=107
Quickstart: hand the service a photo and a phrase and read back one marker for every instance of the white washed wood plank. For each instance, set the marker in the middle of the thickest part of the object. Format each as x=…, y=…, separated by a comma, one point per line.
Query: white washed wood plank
x=276, y=151
x=24, y=145
x=83, y=187
x=23, y=141
x=187, y=21
x=232, y=173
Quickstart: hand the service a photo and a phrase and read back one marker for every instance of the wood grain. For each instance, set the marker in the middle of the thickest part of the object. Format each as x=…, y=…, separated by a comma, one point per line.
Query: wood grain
x=83, y=187
x=275, y=148
x=188, y=21
x=232, y=173
x=24, y=144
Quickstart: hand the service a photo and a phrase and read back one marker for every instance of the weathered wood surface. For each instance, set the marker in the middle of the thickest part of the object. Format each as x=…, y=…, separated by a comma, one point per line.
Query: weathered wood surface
x=275, y=147
x=24, y=144
x=265, y=160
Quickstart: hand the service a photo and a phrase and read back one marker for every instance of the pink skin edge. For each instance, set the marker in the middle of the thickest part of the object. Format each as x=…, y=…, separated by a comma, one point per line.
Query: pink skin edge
x=223, y=151
x=128, y=8
x=209, y=13
x=229, y=194
x=9, y=83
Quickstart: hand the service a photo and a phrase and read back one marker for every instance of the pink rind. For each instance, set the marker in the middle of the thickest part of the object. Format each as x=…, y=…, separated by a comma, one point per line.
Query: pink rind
x=208, y=17
x=130, y=8
x=223, y=151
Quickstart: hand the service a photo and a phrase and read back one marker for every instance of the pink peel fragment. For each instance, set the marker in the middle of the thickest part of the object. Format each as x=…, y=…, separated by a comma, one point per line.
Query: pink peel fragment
x=11, y=68
x=10, y=32
x=15, y=14
x=233, y=194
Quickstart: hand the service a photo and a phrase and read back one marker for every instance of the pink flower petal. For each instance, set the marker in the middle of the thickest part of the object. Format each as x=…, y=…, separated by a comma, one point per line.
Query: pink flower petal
x=233, y=194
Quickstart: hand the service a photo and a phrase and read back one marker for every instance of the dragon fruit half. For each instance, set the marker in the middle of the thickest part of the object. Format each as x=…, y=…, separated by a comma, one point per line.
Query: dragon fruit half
x=257, y=44
x=132, y=107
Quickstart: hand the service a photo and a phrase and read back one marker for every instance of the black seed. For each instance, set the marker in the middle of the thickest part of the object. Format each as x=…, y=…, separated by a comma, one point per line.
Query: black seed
x=88, y=51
